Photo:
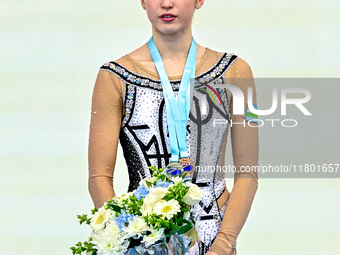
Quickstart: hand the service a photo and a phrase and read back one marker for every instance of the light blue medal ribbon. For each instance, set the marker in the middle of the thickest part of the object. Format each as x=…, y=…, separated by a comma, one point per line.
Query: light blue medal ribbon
x=177, y=114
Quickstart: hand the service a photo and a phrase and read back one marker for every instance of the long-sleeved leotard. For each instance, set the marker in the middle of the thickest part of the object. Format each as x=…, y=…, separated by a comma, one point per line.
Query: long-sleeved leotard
x=128, y=106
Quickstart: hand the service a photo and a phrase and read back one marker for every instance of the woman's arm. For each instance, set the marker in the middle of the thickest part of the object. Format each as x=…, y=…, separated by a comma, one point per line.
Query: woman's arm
x=106, y=117
x=245, y=148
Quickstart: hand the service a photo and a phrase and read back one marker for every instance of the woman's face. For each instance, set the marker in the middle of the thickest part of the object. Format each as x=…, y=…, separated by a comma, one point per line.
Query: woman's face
x=179, y=18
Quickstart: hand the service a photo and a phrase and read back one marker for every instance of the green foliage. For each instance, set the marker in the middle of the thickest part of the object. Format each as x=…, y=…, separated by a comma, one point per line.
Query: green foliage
x=149, y=184
x=134, y=205
x=156, y=172
x=177, y=191
x=78, y=248
x=181, y=230
x=82, y=247
x=83, y=218
x=185, y=209
x=157, y=221
x=112, y=204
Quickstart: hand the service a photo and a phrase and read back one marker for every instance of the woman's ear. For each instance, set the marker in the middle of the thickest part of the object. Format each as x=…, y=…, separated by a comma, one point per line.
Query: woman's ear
x=143, y=4
x=199, y=3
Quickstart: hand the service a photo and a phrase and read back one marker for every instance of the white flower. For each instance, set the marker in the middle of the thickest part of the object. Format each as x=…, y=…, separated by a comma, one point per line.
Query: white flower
x=108, y=244
x=159, y=192
x=136, y=227
x=149, y=203
x=100, y=218
x=112, y=229
x=177, y=179
x=167, y=208
x=193, y=196
x=155, y=195
x=151, y=199
x=95, y=236
x=151, y=179
x=153, y=237
x=146, y=209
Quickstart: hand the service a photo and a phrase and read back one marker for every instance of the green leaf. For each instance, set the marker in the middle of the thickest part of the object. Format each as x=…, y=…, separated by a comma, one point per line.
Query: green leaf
x=193, y=221
x=116, y=208
x=181, y=230
x=94, y=210
x=82, y=218
x=174, y=231
x=184, y=229
x=186, y=221
x=184, y=209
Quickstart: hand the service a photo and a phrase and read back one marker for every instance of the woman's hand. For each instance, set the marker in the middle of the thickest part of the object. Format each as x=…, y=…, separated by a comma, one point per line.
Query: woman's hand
x=211, y=253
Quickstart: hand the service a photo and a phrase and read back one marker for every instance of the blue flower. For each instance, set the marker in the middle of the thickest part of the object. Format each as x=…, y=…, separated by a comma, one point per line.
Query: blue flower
x=123, y=219
x=141, y=192
x=162, y=184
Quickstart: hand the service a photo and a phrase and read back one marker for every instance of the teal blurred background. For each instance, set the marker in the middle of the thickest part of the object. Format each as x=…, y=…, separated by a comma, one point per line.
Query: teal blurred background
x=50, y=54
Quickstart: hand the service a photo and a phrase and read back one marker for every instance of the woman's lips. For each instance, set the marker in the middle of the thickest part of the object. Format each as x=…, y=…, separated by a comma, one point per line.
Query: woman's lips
x=167, y=17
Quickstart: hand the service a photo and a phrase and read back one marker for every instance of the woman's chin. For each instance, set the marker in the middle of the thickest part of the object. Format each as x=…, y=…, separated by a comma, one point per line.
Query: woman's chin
x=169, y=30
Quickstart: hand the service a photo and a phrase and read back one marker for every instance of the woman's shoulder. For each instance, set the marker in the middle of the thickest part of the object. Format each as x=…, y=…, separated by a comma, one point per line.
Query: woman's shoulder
x=125, y=62
x=125, y=59
x=230, y=55
x=237, y=65
x=122, y=60
x=113, y=70
x=120, y=68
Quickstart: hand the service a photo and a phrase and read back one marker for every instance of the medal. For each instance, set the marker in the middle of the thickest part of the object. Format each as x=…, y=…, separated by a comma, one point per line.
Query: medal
x=174, y=168
x=184, y=164
x=177, y=113
x=188, y=165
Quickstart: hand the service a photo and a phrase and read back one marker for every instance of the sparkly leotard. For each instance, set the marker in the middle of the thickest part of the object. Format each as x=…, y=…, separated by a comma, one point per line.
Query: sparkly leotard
x=128, y=107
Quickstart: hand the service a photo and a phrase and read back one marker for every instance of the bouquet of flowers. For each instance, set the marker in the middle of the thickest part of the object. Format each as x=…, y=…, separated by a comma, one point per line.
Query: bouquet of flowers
x=153, y=219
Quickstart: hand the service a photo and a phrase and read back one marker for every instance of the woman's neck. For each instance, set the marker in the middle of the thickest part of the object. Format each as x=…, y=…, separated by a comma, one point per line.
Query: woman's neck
x=174, y=45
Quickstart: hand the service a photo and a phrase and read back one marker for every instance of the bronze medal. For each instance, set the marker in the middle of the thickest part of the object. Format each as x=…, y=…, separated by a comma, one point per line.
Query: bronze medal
x=188, y=165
